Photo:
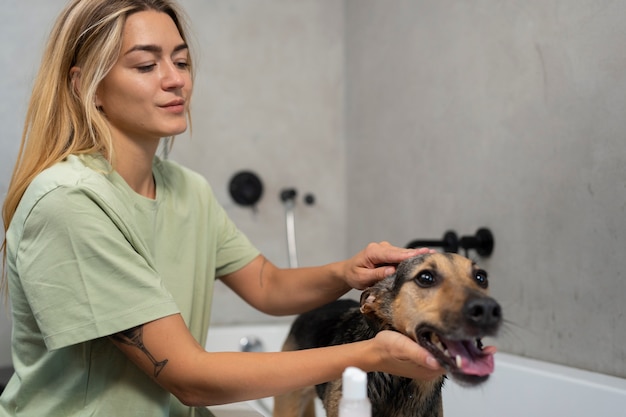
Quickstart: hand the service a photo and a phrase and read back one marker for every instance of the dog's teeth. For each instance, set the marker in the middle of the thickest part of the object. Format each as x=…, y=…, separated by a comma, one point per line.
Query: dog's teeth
x=447, y=353
x=479, y=344
x=459, y=361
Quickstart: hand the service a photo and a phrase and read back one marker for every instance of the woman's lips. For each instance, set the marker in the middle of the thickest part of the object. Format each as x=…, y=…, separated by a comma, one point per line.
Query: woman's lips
x=174, y=106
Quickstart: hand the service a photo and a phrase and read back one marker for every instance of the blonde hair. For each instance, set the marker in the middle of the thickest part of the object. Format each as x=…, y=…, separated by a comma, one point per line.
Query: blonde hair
x=62, y=117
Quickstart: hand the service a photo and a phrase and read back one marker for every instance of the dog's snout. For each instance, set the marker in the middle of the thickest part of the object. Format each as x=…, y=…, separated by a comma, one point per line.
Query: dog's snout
x=483, y=312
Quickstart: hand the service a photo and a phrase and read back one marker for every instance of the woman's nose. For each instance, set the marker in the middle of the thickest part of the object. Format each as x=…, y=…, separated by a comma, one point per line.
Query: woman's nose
x=173, y=77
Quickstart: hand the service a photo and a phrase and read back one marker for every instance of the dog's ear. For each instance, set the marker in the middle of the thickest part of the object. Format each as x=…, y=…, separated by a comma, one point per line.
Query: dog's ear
x=368, y=300
x=375, y=304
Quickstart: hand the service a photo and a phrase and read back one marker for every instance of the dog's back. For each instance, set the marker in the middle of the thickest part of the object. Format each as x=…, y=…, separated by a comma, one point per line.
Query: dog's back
x=335, y=323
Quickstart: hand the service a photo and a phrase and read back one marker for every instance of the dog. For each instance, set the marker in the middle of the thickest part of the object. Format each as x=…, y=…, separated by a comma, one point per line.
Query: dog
x=440, y=300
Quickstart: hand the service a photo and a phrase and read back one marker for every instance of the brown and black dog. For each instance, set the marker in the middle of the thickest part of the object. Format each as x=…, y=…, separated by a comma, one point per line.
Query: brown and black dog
x=440, y=300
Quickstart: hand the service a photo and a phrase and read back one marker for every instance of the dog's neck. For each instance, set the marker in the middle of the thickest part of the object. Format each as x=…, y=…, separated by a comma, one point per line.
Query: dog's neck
x=376, y=324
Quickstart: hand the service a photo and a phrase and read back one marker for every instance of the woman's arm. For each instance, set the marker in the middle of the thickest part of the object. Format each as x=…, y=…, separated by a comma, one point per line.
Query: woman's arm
x=165, y=350
x=290, y=291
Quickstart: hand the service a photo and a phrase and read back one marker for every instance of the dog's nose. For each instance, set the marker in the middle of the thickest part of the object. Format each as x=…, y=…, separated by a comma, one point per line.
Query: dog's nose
x=483, y=312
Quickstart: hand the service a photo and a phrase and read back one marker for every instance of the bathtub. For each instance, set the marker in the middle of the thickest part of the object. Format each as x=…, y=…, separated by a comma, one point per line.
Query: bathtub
x=519, y=387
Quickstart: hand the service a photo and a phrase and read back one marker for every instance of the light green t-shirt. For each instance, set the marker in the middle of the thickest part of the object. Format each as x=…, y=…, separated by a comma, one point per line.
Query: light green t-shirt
x=87, y=257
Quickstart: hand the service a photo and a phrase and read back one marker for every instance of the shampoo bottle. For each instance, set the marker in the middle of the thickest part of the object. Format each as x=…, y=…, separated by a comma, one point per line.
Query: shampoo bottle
x=354, y=401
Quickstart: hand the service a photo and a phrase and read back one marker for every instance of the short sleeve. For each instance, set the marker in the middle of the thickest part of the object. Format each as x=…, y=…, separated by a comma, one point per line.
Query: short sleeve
x=234, y=250
x=82, y=273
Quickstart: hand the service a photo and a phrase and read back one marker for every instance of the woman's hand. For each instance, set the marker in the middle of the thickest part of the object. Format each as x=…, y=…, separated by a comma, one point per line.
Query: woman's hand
x=375, y=262
x=402, y=356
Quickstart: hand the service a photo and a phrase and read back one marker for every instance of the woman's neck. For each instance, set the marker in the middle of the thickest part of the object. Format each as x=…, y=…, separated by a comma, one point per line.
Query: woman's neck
x=133, y=161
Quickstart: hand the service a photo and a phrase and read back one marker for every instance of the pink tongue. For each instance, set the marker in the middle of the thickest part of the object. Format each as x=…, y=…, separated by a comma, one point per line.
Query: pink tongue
x=473, y=360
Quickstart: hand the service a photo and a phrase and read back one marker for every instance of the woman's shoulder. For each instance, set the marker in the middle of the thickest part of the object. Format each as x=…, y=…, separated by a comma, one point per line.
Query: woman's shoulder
x=71, y=173
x=68, y=182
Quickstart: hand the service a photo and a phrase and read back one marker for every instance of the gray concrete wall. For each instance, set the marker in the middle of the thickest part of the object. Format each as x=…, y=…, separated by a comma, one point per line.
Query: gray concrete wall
x=458, y=114
x=510, y=115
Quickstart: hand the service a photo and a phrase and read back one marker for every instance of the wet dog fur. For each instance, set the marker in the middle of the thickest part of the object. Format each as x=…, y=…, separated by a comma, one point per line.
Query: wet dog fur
x=439, y=300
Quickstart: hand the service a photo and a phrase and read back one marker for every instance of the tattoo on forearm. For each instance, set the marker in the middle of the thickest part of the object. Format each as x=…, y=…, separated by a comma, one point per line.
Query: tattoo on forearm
x=134, y=337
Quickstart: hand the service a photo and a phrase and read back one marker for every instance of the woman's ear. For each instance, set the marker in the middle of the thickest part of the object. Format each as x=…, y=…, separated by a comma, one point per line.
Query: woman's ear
x=75, y=73
x=75, y=78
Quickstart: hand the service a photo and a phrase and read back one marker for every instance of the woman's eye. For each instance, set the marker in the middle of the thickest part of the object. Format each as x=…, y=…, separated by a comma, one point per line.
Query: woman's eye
x=425, y=279
x=182, y=65
x=146, y=68
x=481, y=278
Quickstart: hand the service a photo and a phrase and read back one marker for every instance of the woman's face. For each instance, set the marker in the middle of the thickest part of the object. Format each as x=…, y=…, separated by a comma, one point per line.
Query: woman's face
x=146, y=93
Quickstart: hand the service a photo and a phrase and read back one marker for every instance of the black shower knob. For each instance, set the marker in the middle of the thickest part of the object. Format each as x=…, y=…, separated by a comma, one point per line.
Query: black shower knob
x=246, y=188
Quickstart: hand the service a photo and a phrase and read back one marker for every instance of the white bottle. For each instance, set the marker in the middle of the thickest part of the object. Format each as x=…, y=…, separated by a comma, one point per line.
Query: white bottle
x=354, y=401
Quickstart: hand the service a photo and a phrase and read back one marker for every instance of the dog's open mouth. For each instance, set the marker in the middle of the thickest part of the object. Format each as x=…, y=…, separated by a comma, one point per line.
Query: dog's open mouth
x=467, y=360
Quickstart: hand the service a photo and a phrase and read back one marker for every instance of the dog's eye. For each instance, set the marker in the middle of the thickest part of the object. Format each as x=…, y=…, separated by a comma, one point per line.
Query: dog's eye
x=481, y=278
x=425, y=279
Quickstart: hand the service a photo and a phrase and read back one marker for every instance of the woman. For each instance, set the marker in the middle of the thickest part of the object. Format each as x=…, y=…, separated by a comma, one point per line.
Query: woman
x=111, y=253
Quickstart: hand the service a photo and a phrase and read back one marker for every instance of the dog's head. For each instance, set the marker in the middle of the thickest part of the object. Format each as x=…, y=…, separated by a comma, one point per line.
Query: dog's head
x=441, y=301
